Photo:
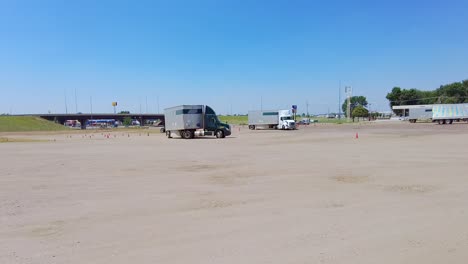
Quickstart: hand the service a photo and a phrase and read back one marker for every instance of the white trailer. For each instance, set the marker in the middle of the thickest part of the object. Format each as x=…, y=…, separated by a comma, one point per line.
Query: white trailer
x=277, y=119
x=438, y=113
x=448, y=113
x=421, y=112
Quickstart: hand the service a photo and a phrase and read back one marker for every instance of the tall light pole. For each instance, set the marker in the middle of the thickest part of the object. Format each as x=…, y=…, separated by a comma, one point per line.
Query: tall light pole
x=66, y=105
x=76, y=103
x=339, y=101
x=349, y=93
x=157, y=99
x=370, y=111
x=261, y=103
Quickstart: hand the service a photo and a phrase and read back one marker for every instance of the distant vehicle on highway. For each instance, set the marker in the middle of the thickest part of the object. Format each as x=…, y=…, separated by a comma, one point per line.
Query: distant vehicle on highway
x=72, y=123
x=100, y=123
x=305, y=121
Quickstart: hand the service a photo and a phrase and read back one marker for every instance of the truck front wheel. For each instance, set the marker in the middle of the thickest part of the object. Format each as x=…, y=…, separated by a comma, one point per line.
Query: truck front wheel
x=187, y=134
x=252, y=127
x=219, y=134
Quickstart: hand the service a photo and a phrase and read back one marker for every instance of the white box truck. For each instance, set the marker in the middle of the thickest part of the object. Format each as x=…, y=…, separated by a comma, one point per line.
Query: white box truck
x=277, y=119
x=189, y=121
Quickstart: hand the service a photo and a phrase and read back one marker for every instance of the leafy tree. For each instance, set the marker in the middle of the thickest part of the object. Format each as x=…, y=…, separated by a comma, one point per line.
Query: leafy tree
x=355, y=102
x=127, y=121
x=360, y=111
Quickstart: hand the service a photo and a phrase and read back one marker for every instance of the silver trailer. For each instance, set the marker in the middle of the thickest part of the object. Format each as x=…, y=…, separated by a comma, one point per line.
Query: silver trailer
x=188, y=121
x=184, y=117
x=448, y=113
x=263, y=118
x=421, y=112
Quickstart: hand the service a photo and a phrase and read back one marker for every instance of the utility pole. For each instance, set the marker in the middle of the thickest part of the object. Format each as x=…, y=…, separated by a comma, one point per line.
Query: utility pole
x=146, y=104
x=76, y=103
x=91, y=104
x=349, y=92
x=261, y=103
x=66, y=107
x=307, y=105
x=339, y=101
x=139, y=101
x=157, y=99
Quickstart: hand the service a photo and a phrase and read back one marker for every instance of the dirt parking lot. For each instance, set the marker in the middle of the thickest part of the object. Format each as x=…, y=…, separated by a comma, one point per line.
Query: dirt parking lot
x=398, y=194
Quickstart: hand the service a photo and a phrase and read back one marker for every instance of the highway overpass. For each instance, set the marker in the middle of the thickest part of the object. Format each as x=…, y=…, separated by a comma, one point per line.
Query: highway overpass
x=83, y=117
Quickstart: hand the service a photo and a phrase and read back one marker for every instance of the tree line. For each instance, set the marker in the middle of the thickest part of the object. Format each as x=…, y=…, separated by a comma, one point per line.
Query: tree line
x=454, y=93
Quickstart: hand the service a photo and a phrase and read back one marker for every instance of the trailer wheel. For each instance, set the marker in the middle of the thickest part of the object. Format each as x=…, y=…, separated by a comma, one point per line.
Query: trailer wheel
x=440, y=122
x=252, y=127
x=187, y=134
x=163, y=130
x=219, y=134
x=449, y=122
x=413, y=121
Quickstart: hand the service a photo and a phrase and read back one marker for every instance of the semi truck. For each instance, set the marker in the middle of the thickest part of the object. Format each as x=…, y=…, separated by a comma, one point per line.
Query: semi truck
x=448, y=113
x=189, y=121
x=276, y=119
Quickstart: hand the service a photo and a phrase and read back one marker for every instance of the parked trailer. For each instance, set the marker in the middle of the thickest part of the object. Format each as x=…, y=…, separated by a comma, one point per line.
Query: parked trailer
x=189, y=121
x=277, y=119
x=448, y=113
x=422, y=112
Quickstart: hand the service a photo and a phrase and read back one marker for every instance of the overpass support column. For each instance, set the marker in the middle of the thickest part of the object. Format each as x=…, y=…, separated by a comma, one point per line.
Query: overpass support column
x=83, y=123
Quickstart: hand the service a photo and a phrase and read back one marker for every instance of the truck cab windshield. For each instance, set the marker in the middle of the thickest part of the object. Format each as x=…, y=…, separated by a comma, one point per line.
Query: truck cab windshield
x=286, y=118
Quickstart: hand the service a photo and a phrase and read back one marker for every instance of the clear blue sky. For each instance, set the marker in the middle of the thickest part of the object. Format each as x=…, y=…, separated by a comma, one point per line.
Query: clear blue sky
x=224, y=53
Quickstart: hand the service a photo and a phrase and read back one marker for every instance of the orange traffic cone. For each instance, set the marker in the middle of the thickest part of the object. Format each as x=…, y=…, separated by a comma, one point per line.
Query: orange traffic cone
x=357, y=135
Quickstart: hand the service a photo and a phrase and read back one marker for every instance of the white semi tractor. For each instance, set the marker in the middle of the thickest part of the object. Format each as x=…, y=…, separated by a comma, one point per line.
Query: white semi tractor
x=275, y=119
